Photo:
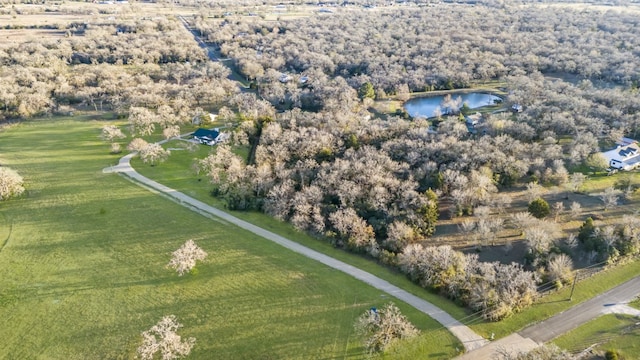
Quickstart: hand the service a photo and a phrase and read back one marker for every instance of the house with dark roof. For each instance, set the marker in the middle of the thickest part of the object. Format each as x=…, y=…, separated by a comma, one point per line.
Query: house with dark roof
x=205, y=136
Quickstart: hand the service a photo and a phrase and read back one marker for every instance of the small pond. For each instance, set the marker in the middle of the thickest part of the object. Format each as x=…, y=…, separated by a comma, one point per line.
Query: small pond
x=426, y=106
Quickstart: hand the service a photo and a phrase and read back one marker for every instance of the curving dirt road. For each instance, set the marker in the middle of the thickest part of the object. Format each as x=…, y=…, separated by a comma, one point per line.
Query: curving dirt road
x=468, y=337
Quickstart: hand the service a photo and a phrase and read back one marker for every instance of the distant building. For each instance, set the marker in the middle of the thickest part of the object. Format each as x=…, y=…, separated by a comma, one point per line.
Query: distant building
x=284, y=78
x=473, y=119
x=516, y=108
x=624, y=157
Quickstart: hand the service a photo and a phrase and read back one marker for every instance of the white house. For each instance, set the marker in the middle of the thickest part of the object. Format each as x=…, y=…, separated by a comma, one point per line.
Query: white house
x=284, y=78
x=624, y=157
x=473, y=119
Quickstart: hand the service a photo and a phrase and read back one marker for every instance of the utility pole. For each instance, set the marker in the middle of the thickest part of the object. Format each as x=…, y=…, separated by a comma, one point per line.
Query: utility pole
x=573, y=287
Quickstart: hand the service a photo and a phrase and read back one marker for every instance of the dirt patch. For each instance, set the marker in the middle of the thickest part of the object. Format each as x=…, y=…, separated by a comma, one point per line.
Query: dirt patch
x=507, y=253
x=507, y=245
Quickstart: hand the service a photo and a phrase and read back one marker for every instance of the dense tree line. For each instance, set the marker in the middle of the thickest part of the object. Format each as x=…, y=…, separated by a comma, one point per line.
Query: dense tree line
x=439, y=47
x=494, y=289
x=111, y=65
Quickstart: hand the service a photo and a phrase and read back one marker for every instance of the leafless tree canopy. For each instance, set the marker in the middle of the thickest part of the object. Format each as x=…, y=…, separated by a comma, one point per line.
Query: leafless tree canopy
x=184, y=259
x=382, y=327
x=105, y=64
x=11, y=183
x=163, y=338
x=154, y=154
x=494, y=289
x=460, y=44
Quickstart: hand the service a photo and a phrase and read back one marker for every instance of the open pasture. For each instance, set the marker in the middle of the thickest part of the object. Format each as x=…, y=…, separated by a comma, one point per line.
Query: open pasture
x=84, y=272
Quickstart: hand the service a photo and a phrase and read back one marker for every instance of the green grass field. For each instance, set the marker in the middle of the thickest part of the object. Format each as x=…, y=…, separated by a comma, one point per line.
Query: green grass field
x=608, y=332
x=83, y=268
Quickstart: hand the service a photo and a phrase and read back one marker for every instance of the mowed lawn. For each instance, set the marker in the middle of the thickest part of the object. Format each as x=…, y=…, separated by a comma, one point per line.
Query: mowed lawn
x=82, y=269
x=608, y=332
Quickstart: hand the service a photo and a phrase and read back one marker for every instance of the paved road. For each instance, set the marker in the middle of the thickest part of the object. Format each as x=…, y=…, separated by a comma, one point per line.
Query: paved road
x=611, y=301
x=469, y=339
x=550, y=329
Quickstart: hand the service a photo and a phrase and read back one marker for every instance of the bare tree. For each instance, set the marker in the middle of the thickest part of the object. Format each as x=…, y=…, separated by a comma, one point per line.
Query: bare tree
x=482, y=212
x=557, y=209
x=610, y=197
x=171, y=131
x=116, y=148
x=354, y=230
x=538, y=239
x=576, y=209
x=184, y=259
x=467, y=226
x=111, y=133
x=523, y=220
x=154, y=154
x=382, y=327
x=501, y=201
x=163, y=338
x=534, y=191
x=11, y=184
x=575, y=181
x=399, y=235
x=142, y=121
x=608, y=235
x=560, y=268
x=402, y=92
x=572, y=241
x=137, y=144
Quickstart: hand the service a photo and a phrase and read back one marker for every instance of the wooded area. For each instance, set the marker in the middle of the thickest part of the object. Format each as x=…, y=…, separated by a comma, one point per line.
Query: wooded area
x=372, y=183
x=112, y=65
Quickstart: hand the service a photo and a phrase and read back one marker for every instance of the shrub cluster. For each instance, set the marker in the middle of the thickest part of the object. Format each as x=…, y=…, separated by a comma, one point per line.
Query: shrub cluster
x=494, y=289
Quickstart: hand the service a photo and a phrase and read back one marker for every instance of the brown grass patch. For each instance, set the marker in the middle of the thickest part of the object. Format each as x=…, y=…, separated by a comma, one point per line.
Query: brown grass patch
x=43, y=19
x=16, y=36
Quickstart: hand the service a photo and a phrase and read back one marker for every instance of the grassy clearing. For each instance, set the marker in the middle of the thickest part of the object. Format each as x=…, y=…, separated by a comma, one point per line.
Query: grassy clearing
x=635, y=303
x=608, y=332
x=599, y=182
x=84, y=268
